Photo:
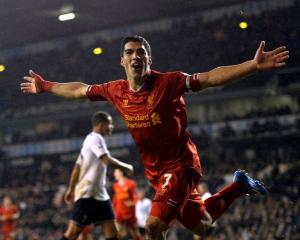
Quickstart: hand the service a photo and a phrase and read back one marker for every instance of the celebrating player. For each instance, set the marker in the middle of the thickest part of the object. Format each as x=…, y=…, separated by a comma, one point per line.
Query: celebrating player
x=152, y=105
x=87, y=183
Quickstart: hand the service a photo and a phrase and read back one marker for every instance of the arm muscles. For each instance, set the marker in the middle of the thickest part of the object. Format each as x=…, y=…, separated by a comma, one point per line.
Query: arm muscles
x=73, y=90
x=226, y=74
x=108, y=160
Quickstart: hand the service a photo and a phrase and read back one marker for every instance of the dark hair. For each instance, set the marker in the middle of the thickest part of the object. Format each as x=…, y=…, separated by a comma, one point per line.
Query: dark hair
x=100, y=117
x=135, y=38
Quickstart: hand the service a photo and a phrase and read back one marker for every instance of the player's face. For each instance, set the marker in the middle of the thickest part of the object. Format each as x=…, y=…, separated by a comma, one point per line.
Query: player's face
x=135, y=60
x=118, y=174
x=7, y=201
x=107, y=127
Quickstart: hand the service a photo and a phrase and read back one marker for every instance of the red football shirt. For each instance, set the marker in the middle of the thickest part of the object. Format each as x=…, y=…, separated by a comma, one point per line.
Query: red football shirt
x=156, y=118
x=8, y=225
x=123, y=194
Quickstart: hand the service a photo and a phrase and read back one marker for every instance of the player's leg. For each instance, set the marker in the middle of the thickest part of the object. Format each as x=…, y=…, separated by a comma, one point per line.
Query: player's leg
x=86, y=233
x=172, y=191
x=110, y=231
x=134, y=230
x=242, y=184
x=197, y=216
x=79, y=220
x=72, y=232
x=103, y=215
x=122, y=229
x=194, y=216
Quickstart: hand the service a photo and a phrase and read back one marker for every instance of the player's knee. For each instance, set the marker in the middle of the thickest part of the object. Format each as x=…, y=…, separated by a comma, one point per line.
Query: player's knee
x=73, y=233
x=204, y=224
x=155, y=227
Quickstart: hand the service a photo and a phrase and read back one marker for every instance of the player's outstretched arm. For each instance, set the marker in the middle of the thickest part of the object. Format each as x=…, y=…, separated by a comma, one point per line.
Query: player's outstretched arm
x=109, y=160
x=69, y=195
x=262, y=61
x=35, y=84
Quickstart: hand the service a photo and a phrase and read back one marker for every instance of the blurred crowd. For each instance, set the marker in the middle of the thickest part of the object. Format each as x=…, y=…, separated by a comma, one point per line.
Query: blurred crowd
x=264, y=142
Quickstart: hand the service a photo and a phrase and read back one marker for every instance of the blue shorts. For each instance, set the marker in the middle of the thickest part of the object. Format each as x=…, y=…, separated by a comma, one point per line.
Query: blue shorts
x=91, y=211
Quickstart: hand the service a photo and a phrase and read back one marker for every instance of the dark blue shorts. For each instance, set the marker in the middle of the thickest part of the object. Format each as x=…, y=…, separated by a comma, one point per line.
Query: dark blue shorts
x=90, y=211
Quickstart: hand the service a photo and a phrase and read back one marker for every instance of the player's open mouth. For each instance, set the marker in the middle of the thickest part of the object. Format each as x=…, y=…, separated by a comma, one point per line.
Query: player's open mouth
x=137, y=65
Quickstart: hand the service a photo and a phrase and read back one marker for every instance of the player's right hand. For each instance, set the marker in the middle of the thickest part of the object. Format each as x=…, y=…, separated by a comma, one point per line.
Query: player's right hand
x=129, y=169
x=69, y=197
x=34, y=84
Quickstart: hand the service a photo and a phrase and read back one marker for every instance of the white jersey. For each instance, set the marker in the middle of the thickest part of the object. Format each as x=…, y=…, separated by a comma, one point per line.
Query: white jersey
x=142, y=209
x=92, y=177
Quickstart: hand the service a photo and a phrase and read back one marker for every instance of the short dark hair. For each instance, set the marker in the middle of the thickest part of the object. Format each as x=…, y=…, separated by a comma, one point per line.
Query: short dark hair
x=100, y=117
x=135, y=38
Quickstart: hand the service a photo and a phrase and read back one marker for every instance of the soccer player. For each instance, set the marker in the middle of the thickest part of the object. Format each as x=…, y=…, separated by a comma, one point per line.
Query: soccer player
x=152, y=105
x=124, y=201
x=9, y=214
x=142, y=210
x=87, y=183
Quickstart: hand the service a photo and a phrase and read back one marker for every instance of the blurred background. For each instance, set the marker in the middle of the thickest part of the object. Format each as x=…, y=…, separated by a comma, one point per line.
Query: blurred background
x=252, y=124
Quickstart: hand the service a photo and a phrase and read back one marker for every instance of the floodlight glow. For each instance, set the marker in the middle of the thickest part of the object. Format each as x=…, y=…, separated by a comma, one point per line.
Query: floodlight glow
x=243, y=25
x=97, y=51
x=66, y=17
x=2, y=68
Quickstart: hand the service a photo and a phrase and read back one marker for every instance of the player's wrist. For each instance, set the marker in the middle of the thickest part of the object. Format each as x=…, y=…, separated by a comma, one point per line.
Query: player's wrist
x=46, y=86
x=42, y=85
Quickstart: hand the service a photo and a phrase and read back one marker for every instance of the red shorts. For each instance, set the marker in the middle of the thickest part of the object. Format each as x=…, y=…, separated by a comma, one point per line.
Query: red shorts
x=176, y=197
x=130, y=222
x=87, y=230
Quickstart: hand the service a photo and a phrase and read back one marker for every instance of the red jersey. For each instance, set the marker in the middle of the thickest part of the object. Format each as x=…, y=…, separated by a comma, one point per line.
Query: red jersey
x=124, y=194
x=9, y=224
x=156, y=118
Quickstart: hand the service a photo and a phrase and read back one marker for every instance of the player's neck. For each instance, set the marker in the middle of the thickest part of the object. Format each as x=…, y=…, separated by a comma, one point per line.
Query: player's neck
x=136, y=83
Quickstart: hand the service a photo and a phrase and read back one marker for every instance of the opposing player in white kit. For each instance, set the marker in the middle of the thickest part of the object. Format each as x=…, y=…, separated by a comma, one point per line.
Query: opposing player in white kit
x=87, y=183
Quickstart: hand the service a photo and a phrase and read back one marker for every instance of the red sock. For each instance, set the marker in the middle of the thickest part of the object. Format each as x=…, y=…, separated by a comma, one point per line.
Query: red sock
x=219, y=202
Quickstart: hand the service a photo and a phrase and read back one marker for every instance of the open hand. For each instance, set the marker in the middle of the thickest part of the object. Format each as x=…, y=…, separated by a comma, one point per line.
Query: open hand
x=33, y=85
x=272, y=59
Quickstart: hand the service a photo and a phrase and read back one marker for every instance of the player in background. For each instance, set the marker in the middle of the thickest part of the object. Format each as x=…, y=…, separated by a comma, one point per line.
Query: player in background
x=86, y=233
x=142, y=210
x=87, y=183
x=124, y=201
x=9, y=214
x=152, y=105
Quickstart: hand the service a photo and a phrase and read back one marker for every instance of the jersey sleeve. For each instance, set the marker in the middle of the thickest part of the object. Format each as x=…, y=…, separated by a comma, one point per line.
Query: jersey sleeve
x=79, y=160
x=178, y=83
x=97, y=92
x=98, y=146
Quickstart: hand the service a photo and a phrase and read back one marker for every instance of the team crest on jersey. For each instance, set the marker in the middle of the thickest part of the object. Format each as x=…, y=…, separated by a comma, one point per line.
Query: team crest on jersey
x=150, y=101
x=125, y=102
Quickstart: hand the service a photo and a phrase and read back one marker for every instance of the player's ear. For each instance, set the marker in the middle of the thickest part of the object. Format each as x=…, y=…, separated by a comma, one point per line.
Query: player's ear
x=150, y=60
x=122, y=62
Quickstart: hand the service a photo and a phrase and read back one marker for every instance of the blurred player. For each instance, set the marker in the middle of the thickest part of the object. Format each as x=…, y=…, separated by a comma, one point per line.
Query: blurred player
x=86, y=233
x=142, y=210
x=124, y=201
x=87, y=183
x=152, y=105
x=9, y=213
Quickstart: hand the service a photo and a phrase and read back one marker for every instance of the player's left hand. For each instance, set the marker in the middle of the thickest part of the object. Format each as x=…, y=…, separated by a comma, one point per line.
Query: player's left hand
x=272, y=59
x=69, y=196
x=130, y=169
